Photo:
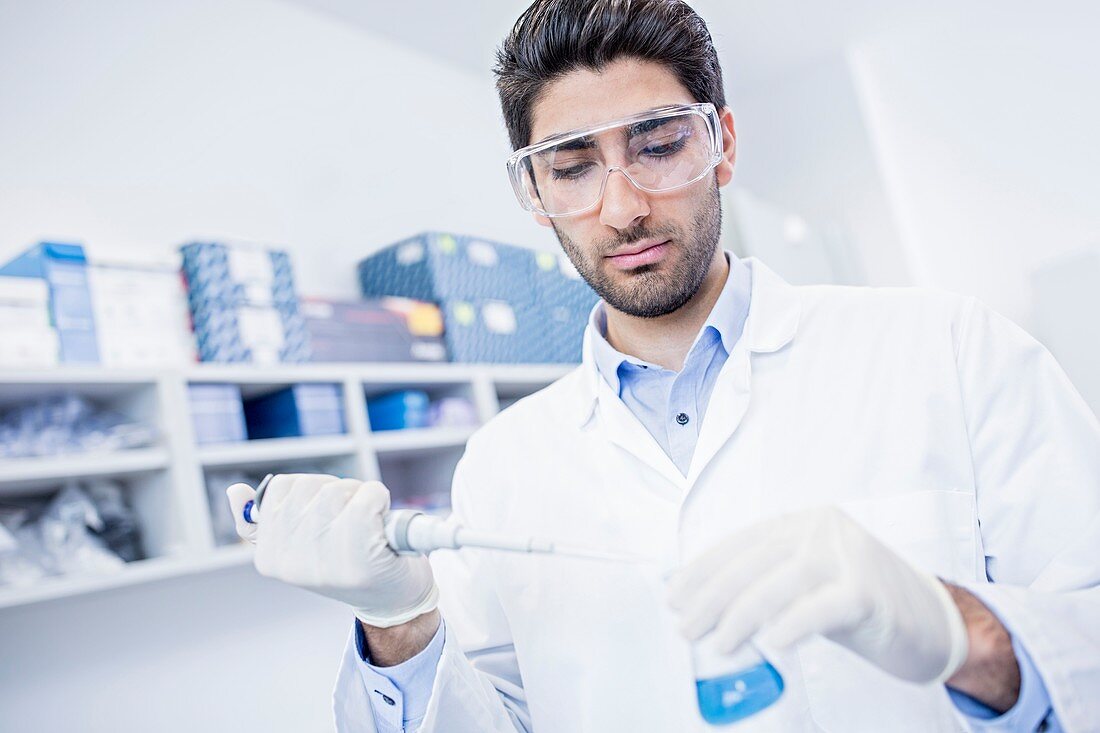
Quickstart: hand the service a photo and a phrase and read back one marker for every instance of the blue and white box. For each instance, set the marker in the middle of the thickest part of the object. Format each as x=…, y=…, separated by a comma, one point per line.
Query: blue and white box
x=29, y=339
x=250, y=334
x=437, y=267
x=141, y=313
x=243, y=304
x=501, y=303
x=296, y=411
x=558, y=284
x=217, y=413
x=237, y=273
x=64, y=269
x=401, y=410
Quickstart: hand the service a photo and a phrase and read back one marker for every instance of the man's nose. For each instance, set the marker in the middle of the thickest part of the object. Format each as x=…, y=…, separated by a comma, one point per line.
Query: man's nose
x=623, y=203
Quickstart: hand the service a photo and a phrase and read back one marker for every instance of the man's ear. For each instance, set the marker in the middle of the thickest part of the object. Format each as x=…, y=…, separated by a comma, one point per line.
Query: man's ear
x=539, y=218
x=724, y=170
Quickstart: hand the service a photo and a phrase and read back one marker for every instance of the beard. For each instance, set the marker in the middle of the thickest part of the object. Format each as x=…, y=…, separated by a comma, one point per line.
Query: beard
x=657, y=289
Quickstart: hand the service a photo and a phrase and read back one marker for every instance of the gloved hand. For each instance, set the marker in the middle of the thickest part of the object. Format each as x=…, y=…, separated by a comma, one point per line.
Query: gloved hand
x=325, y=534
x=819, y=572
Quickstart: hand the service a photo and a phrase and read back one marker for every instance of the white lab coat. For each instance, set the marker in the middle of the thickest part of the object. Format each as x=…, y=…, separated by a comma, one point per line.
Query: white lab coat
x=942, y=427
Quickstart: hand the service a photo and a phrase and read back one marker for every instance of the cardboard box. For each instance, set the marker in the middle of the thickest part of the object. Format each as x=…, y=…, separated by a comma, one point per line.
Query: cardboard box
x=217, y=413
x=501, y=304
x=63, y=267
x=376, y=330
x=251, y=334
x=141, y=313
x=298, y=410
x=237, y=274
x=243, y=304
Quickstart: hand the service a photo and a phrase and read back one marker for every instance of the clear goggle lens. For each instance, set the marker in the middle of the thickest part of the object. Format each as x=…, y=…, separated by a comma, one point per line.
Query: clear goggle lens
x=658, y=151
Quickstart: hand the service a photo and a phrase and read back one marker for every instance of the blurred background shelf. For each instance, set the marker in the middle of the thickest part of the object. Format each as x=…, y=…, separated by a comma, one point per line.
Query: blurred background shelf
x=418, y=440
x=141, y=571
x=268, y=450
x=24, y=475
x=175, y=487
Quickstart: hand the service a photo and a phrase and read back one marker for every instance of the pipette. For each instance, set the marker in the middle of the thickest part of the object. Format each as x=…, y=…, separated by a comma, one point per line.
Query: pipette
x=410, y=532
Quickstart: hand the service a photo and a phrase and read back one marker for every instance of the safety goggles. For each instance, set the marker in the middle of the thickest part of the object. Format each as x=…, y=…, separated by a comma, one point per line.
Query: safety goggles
x=659, y=150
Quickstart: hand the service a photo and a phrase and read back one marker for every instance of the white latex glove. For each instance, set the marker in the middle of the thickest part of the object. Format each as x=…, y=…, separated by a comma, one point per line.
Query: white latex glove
x=325, y=534
x=819, y=572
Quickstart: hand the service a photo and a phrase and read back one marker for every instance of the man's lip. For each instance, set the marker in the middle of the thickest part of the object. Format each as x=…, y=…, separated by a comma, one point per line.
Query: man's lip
x=637, y=247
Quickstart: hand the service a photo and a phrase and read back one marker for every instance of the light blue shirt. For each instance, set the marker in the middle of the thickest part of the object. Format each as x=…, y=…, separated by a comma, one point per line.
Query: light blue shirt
x=671, y=406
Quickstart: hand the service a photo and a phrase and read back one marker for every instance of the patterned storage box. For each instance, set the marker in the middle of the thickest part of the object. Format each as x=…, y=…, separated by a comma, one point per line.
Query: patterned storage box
x=234, y=274
x=243, y=304
x=437, y=267
x=254, y=334
x=501, y=304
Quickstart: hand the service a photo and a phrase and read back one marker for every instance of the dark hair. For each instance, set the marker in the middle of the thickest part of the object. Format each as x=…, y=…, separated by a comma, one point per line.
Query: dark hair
x=554, y=37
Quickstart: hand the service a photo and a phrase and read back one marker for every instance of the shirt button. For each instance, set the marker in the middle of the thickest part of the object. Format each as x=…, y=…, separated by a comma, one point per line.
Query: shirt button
x=682, y=418
x=389, y=700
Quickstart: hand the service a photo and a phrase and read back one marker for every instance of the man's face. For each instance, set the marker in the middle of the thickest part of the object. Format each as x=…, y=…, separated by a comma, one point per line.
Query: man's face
x=646, y=254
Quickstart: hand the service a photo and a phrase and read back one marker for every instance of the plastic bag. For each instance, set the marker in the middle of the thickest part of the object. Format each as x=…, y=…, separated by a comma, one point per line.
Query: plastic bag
x=17, y=567
x=119, y=525
x=68, y=544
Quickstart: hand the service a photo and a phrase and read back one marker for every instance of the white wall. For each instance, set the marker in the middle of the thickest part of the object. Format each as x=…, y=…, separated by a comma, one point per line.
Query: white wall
x=135, y=126
x=132, y=127
x=803, y=146
x=985, y=125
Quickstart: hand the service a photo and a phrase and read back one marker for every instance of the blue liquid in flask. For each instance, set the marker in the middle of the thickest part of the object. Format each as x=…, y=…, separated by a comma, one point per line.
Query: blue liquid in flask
x=732, y=688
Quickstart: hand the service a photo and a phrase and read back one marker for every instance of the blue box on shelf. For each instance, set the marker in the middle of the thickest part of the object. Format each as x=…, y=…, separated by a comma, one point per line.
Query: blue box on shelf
x=217, y=413
x=493, y=331
x=64, y=267
x=558, y=284
x=501, y=304
x=379, y=329
x=237, y=273
x=437, y=267
x=407, y=408
x=248, y=333
x=299, y=410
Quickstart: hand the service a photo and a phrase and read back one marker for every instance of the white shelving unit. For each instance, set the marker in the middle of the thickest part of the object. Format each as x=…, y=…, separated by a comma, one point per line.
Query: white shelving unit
x=166, y=483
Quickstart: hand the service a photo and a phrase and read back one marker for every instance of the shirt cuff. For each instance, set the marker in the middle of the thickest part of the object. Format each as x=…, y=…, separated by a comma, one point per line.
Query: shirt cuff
x=399, y=694
x=1031, y=712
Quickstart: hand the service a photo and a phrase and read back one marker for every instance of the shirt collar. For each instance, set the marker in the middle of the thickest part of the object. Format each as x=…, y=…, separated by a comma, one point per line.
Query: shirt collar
x=726, y=318
x=774, y=311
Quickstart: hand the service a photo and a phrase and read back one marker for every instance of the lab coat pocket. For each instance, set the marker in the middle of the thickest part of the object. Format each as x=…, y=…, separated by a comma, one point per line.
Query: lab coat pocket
x=936, y=531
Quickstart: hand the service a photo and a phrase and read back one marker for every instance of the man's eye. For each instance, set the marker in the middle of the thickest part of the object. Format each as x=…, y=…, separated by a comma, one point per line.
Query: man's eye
x=664, y=148
x=571, y=172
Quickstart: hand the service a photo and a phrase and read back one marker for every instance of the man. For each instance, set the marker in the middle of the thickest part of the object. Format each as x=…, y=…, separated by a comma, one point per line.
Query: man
x=894, y=496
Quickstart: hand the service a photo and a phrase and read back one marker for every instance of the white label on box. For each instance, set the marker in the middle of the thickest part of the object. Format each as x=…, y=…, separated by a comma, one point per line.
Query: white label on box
x=410, y=253
x=499, y=317
x=247, y=264
x=19, y=316
x=24, y=291
x=29, y=348
x=260, y=328
x=316, y=309
x=427, y=351
x=141, y=315
x=259, y=293
x=482, y=253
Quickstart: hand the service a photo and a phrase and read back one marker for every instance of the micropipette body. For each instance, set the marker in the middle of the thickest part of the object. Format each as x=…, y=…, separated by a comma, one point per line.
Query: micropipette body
x=410, y=532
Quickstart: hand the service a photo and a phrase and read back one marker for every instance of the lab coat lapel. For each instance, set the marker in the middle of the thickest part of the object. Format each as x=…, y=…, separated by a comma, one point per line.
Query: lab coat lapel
x=774, y=311
x=599, y=408
x=729, y=401
x=622, y=428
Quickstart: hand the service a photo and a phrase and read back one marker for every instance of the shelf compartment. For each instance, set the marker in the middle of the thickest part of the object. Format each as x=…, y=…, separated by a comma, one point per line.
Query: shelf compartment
x=31, y=475
x=141, y=571
x=418, y=440
x=275, y=451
